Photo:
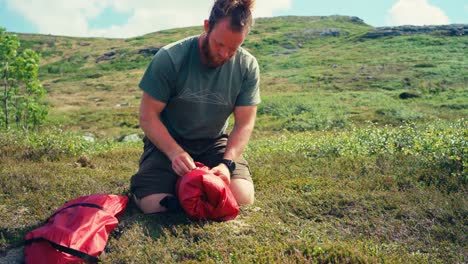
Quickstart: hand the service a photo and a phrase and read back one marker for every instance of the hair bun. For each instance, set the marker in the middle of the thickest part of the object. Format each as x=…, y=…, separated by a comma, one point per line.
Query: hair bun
x=248, y=4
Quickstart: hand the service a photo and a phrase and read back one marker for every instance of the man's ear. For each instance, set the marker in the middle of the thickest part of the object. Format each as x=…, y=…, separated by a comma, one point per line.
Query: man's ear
x=206, y=25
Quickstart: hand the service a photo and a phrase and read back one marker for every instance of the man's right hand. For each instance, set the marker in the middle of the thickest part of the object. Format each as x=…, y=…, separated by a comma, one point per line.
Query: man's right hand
x=182, y=163
x=156, y=131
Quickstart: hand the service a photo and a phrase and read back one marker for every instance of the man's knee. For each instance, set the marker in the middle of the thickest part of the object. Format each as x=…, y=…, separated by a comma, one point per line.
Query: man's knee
x=151, y=203
x=243, y=191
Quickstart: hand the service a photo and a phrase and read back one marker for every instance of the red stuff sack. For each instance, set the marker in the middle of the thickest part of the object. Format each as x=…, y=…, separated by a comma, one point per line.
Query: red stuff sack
x=204, y=195
x=76, y=232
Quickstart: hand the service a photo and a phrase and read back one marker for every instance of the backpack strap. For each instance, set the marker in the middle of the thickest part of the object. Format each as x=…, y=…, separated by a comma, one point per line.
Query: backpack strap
x=71, y=251
x=75, y=205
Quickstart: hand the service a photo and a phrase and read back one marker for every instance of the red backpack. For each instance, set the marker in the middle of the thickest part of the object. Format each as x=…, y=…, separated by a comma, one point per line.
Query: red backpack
x=76, y=232
x=204, y=195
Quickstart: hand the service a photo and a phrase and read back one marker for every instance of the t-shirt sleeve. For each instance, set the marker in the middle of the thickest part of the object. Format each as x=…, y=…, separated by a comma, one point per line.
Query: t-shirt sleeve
x=158, y=78
x=250, y=90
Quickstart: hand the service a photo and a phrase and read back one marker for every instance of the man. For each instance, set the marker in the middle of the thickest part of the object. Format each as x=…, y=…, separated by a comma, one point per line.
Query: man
x=190, y=89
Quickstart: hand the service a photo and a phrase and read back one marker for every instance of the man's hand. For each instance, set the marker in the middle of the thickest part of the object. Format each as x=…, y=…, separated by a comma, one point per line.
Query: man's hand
x=222, y=171
x=182, y=163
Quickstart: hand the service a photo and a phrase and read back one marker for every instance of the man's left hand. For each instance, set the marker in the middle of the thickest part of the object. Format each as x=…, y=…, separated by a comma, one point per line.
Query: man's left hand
x=222, y=171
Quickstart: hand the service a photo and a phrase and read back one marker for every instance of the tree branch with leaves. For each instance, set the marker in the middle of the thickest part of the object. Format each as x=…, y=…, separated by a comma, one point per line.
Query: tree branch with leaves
x=23, y=95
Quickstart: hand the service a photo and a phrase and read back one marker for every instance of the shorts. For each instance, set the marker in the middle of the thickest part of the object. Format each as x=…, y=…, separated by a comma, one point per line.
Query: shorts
x=155, y=174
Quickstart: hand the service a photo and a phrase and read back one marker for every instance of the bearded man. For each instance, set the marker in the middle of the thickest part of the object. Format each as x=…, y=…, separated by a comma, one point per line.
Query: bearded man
x=190, y=89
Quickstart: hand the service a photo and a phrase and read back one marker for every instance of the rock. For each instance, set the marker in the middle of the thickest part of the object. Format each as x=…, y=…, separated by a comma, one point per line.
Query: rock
x=447, y=30
x=356, y=20
x=330, y=32
x=122, y=105
x=130, y=138
x=148, y=51
x=110, y=53
x=88, y=139
x=107, y=56
x=309, y=33
x=341, y=18
x=382, y=33
x=407, y=95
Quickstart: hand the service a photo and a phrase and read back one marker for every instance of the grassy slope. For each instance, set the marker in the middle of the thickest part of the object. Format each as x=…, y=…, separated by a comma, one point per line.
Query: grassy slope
x=342, y=191
x=330, y=81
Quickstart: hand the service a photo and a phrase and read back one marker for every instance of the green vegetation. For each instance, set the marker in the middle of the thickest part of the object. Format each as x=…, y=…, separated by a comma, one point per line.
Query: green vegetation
x=22, y=96
x=366, y=194
x=359, y=152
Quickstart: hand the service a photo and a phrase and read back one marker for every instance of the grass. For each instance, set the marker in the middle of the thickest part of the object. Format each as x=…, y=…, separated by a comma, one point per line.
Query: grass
x=362, y=195
x=345, y=171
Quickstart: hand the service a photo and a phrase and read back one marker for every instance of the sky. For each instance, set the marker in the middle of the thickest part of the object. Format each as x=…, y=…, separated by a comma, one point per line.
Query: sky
x=131, y=18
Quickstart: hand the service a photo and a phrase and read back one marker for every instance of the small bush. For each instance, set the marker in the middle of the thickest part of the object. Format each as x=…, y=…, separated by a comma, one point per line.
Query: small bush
x=441, y=147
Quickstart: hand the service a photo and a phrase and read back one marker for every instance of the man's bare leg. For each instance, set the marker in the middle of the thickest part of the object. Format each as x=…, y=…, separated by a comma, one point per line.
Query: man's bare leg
x=243, y=191
x=150, y=204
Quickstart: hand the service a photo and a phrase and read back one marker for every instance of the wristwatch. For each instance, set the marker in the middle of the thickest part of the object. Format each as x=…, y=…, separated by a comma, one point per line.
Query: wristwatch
x=230, y=164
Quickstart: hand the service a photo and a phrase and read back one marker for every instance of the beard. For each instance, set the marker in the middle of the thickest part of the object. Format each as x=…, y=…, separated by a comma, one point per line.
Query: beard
x=210, y=60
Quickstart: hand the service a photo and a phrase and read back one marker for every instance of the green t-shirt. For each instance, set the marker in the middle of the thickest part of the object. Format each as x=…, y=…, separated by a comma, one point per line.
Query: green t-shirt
x=199, y=99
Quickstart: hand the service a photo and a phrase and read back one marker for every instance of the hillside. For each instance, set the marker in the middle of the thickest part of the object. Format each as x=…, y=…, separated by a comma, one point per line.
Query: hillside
x=304, y=60
x=358, y=155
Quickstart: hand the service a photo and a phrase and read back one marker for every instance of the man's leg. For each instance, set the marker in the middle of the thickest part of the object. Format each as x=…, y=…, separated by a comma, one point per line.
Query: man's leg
x=241, y=185
x=154, y=180
x=151, y=203
x=243, y=191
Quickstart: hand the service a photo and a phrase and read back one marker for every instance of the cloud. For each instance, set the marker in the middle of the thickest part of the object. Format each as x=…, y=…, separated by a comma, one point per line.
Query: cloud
x=265, y=8
x=416, y=12
x=71, y=17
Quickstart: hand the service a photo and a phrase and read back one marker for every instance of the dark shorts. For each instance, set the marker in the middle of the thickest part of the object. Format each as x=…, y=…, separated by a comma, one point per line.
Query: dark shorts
x=155, y=174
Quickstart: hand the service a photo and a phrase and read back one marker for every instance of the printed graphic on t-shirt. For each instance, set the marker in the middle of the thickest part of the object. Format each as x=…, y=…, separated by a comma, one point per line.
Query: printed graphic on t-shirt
x=203, y=96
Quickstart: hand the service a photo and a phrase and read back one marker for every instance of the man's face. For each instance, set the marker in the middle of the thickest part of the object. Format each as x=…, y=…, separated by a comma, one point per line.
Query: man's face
x=221, y=44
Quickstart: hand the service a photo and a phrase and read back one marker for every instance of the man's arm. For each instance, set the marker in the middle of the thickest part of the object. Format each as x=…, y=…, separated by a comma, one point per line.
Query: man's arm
x=150, y=123
x=244, y=121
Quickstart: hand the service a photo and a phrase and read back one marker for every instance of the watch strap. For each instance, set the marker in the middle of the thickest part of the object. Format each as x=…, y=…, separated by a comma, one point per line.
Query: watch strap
x=230, y=164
